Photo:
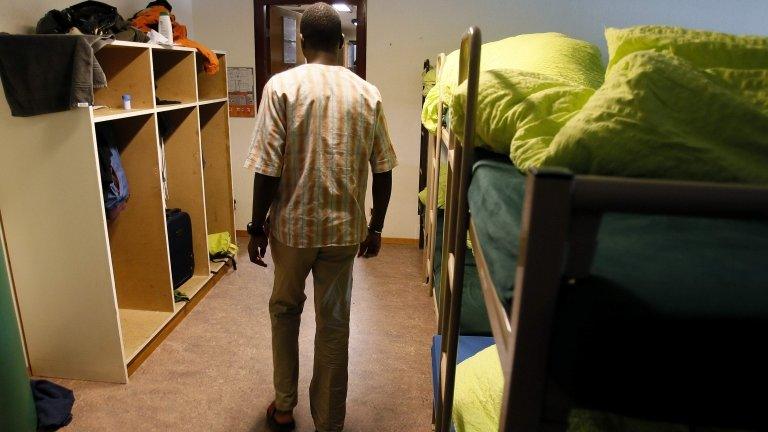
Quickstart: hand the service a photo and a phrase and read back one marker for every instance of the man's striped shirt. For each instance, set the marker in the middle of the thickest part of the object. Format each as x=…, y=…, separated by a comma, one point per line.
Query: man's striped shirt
x=318, y=128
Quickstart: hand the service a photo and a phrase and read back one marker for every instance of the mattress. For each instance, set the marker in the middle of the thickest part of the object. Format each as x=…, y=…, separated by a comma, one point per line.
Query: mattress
x=474, y=315
x=670, y=300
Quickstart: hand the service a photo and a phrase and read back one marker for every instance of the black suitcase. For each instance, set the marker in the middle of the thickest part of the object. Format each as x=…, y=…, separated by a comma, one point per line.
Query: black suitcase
x=180, y=246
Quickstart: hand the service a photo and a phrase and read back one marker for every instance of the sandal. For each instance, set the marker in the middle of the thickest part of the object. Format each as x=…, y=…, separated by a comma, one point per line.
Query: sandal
x=273, y=423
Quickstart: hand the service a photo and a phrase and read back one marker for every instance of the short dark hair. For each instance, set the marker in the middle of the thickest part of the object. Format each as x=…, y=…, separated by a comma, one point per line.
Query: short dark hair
x=321, y=27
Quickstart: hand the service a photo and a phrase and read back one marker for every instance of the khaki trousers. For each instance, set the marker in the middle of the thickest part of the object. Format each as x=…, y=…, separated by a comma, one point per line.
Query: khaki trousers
x=331, y=269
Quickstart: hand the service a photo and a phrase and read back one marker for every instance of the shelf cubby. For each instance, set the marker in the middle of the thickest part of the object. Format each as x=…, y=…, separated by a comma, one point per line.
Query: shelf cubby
x=181, y=145
x=137, y=236
x=139, y=327
x=174, y=73
x=211, y=86
x=214, y=130
x=128, y=70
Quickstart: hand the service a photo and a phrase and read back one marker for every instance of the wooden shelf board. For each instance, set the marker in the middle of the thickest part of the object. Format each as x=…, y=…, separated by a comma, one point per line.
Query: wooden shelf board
x=107, y=114
x=181, y=310
x=139, y=328
x=128, y=44
x=216, y=266
x=163, y=108
x=159, y=47
x=212, y=101
x=194, y=285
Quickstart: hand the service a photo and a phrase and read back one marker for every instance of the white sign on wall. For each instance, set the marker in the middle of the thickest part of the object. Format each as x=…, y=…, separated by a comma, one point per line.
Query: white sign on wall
x=289, y=40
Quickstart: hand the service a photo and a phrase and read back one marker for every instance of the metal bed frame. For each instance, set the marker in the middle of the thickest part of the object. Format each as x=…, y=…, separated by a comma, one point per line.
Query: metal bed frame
x=434, y=146
x=561, y=218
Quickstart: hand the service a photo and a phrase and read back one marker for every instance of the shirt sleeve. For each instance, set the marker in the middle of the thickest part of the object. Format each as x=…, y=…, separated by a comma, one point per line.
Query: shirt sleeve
x=383, y=156
x=268, y=140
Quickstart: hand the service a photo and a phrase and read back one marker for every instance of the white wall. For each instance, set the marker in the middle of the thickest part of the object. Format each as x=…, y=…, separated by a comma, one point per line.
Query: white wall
x=21, y=16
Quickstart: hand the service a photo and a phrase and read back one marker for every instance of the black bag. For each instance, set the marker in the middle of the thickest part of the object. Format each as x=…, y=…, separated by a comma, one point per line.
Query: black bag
x=90, y=17
x=180, y=246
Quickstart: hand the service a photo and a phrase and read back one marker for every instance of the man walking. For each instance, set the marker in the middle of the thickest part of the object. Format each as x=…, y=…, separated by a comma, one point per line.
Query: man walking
x=318, y=128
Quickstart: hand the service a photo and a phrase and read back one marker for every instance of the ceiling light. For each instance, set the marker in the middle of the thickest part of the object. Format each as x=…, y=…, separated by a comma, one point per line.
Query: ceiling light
x=341, y=7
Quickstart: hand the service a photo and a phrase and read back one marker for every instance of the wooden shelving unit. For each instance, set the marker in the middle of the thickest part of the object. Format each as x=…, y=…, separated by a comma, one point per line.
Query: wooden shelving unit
x=95, y=298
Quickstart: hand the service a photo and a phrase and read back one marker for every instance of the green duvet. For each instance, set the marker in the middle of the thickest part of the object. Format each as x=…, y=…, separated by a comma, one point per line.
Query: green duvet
x=675, y=103
x=479, y=391
x=552, y=54
x=659, y=116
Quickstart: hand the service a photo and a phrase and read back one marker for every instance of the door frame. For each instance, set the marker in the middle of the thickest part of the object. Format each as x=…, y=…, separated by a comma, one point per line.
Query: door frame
x=261, y=38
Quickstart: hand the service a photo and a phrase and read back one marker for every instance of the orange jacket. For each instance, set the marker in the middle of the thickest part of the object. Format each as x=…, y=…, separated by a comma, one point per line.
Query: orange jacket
x=148, y=18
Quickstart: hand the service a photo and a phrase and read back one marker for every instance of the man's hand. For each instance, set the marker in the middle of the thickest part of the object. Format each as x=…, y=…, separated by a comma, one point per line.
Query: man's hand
x=370, y=247
x=257, y=248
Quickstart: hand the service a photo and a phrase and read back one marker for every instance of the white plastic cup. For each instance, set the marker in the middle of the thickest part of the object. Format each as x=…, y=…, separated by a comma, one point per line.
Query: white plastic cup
x=164, y=27
x=126, y=101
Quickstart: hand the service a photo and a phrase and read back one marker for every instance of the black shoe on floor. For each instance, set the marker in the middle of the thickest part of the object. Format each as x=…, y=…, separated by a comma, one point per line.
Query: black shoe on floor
x=274, y=425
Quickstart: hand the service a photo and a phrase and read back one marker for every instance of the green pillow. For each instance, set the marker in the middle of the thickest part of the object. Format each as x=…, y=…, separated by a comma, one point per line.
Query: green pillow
x=740, y=61
x=703, y=49
x=556, y=55
x=524, y=108
x=442, y=186
x=658, y=116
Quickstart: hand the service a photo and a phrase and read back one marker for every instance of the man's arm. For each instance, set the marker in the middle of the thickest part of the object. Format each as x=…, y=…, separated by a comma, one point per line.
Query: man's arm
x=264, y=191
x=382, y=191
x=265, y=157
x=383, y=160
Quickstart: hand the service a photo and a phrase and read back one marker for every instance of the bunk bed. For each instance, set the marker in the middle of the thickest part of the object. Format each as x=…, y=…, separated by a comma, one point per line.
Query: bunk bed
x=564, y=58
x=438, y=151
x=595, y=285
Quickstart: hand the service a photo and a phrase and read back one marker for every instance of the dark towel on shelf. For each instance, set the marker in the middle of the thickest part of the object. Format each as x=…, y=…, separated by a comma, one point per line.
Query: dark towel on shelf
x=53, y=403
x=48, y=73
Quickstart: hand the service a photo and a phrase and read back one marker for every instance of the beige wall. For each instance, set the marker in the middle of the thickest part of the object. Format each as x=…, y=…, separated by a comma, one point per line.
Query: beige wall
x=21, y=16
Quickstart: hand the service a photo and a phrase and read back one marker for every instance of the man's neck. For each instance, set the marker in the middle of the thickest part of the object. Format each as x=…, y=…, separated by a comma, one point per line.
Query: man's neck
x=323, y=58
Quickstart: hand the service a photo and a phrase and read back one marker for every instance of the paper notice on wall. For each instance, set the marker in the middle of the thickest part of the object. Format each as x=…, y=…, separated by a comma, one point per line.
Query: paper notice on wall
x=289, y=52
x=289, y=40
x=289, y=29
x=241, y=100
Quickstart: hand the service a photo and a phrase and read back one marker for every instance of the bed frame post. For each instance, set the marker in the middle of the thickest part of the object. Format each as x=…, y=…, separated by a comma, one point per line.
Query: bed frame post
x=430, y=212
x=435, y=144
x=456, y=227
x=544, y=234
